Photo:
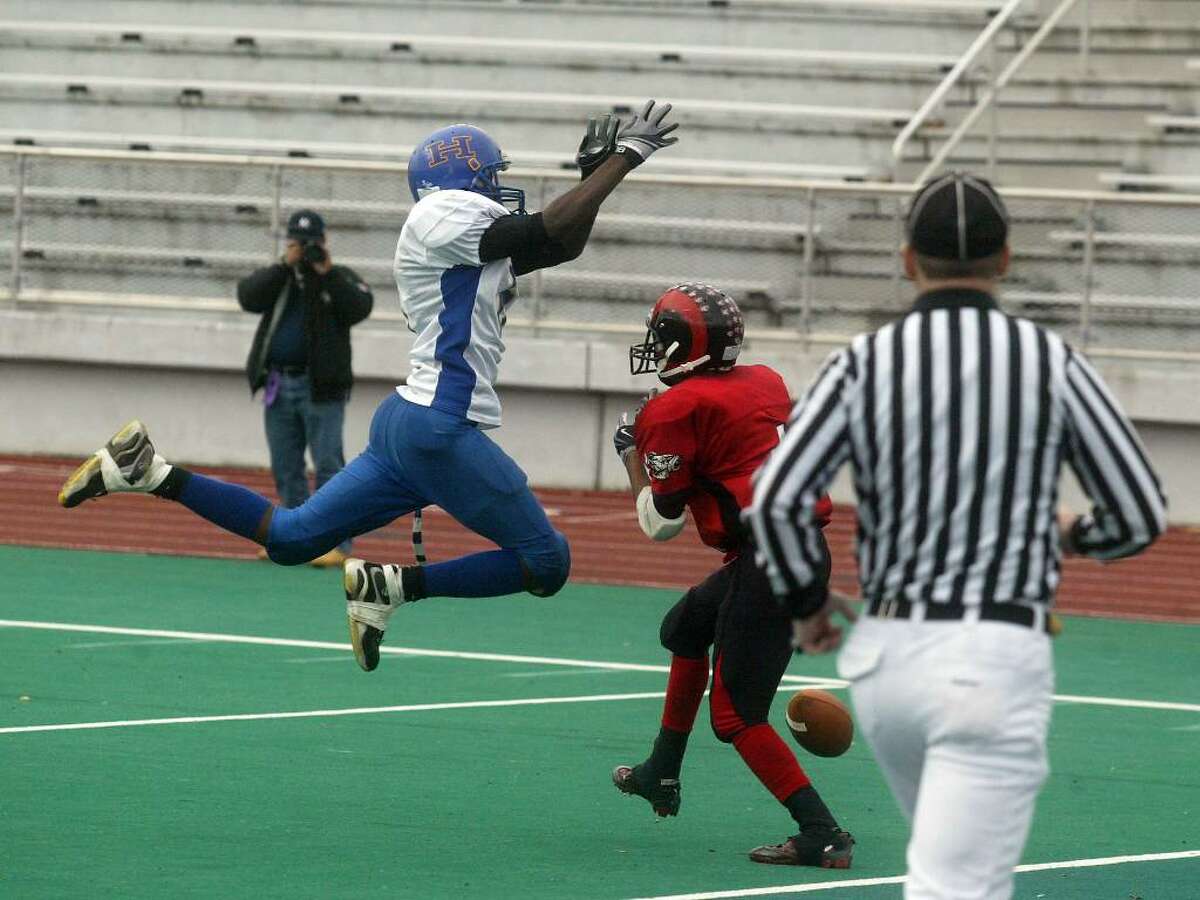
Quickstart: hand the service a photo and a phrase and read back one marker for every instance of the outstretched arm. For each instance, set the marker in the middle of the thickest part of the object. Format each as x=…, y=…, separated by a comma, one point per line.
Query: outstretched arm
x=560, y=232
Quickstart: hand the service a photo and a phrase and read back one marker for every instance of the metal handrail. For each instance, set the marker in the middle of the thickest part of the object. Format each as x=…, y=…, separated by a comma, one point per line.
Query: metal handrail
x=986, y=102
x=865, y=188
x=988, y=99
x=806, y=193
x=935, y=100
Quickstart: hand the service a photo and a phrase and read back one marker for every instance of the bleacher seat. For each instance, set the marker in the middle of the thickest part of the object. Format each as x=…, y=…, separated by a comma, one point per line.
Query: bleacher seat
x=764, y=88
x=1137, y=181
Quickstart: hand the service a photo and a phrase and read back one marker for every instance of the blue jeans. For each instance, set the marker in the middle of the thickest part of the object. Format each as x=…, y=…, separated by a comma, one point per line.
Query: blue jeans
x=420, y=457
x=294, y=422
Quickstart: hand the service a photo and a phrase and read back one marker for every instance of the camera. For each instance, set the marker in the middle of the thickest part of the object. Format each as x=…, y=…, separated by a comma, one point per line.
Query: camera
x=312, y=253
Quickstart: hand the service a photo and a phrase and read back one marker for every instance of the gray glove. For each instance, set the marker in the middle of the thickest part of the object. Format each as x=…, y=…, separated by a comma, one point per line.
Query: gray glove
x=645, y=133
x=623, y=437
x=597, y=145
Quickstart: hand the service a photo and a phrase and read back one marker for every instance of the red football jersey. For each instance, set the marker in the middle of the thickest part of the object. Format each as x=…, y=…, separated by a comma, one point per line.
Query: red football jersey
x=703, y=439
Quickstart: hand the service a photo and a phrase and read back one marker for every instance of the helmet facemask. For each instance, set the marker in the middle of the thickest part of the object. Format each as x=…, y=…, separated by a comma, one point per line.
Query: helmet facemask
x=487, y=182
x=647, y=356
x=668, y=361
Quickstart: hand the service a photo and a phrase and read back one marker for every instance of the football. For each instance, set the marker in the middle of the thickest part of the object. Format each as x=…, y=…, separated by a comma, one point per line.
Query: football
x=820, y=722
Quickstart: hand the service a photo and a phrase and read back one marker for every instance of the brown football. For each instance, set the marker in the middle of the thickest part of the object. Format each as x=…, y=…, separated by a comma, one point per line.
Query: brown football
x=820, y=722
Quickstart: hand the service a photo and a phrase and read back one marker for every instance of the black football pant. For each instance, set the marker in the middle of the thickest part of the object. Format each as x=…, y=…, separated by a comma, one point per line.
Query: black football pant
x=735, y=612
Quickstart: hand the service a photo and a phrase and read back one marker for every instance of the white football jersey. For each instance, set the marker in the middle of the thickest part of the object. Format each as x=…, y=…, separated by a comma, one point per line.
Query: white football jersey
x=454, y=303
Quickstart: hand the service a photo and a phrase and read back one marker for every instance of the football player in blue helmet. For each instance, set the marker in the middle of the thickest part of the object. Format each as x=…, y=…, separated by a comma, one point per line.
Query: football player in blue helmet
x=456, y=264
x=465, y=158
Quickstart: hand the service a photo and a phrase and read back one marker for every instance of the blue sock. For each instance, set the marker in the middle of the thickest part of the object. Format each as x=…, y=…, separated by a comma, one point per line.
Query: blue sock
x=230, y=506
x=490, y=574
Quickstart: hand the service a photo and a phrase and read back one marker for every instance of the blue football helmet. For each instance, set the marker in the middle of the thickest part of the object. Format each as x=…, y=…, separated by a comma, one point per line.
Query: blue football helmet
x=464, y=158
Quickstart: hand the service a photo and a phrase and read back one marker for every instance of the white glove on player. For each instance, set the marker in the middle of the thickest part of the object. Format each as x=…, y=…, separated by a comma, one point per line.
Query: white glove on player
x=645, y=133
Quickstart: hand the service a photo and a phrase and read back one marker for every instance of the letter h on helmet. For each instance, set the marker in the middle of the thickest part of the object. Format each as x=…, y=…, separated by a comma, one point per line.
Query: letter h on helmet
x=462, y=158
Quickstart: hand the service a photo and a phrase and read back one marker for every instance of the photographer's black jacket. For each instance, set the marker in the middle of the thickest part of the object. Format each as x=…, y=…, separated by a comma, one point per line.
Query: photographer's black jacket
x=332, y=303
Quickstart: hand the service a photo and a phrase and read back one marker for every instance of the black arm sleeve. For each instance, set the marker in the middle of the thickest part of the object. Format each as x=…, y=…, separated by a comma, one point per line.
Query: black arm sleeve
x=524, y=240
x=671, y=506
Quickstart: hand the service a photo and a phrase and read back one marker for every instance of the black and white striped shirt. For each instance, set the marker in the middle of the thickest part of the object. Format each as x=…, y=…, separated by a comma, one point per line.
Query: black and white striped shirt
x=956, y=420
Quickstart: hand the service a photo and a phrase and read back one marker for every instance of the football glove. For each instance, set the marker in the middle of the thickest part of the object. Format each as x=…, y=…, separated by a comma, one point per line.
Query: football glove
x=645, y=133
x=597, y=145
x=623, y=439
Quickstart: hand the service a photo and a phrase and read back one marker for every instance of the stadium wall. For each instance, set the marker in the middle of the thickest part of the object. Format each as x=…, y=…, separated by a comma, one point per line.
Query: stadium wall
x=70, y=379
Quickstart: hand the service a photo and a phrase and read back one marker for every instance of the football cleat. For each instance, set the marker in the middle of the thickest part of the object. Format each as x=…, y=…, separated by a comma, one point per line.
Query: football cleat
x=663, y=797
x=127, y=463
x=373, y=591
x=823, y=846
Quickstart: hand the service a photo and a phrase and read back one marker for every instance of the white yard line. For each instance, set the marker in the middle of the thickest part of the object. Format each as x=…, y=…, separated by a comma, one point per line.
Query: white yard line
x=135, y=642
x=307, y=660
x=353, y=711
x=789, y=680
x=394, y=651
x=814, y=887
x=1131, y=704
x=331, y=713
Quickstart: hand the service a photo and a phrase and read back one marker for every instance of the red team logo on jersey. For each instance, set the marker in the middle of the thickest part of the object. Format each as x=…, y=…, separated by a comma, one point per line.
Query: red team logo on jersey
x=439, y=153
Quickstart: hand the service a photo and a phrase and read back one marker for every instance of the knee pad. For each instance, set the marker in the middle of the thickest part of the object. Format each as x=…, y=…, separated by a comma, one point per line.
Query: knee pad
x=548, y=566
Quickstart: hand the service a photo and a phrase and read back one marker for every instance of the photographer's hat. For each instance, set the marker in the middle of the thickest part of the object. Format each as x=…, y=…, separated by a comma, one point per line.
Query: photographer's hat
x=957, y=216
x=305, y=225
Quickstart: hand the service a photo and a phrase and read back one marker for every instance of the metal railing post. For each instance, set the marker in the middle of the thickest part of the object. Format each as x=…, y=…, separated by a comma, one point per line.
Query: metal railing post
x=1089, y=263
x=18, y=227
x=897, y=262
x=993, y=109
x=1085, y=36
x=539, y=311
x=276, y=209
x=807, y=275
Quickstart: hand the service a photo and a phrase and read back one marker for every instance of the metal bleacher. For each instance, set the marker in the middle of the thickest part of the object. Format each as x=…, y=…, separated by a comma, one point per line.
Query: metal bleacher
x=191, y=141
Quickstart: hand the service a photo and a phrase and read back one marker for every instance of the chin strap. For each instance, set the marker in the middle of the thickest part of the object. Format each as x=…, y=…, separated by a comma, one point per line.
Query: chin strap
x=682, y=368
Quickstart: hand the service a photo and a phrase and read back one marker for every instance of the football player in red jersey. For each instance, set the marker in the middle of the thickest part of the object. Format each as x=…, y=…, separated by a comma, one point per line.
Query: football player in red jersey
x=696, y=447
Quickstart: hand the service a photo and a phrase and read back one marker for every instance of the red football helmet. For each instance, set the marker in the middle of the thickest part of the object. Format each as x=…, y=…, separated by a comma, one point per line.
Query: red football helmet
x=692, y=328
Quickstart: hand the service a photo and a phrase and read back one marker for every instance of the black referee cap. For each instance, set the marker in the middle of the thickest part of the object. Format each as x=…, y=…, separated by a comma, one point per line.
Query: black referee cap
x=957, y=216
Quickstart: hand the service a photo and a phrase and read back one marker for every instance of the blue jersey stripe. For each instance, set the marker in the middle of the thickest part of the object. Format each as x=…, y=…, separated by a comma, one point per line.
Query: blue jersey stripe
x=460, y=285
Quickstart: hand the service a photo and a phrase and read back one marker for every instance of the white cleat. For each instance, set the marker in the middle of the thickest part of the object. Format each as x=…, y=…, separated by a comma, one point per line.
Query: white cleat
x=373, y=591
x=126, y=464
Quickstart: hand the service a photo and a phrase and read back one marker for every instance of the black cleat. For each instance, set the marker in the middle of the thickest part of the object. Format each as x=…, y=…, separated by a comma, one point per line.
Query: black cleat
x=822, y=846
x=663, y=797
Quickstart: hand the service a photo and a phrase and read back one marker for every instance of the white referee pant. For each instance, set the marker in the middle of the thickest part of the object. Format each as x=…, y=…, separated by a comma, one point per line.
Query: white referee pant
x=956, y=714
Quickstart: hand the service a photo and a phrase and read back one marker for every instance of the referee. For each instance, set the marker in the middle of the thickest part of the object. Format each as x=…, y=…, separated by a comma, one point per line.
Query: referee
x=956, y=420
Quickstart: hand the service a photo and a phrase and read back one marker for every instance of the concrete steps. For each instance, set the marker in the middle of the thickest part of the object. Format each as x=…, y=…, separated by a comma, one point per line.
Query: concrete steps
x=927, y=32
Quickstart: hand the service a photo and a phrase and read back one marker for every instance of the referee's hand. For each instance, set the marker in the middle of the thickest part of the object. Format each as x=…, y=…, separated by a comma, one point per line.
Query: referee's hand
x=818, y=633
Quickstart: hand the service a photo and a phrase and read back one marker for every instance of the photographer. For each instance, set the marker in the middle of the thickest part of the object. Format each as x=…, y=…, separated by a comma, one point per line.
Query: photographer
x=301, y=357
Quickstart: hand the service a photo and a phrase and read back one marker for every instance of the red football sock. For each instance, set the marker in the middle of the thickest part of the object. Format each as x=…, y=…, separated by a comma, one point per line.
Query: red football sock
x=685, y=690
x=771, y=760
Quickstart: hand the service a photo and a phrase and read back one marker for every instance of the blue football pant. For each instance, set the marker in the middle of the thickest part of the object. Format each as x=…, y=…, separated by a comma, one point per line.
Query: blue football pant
x=417, y=457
